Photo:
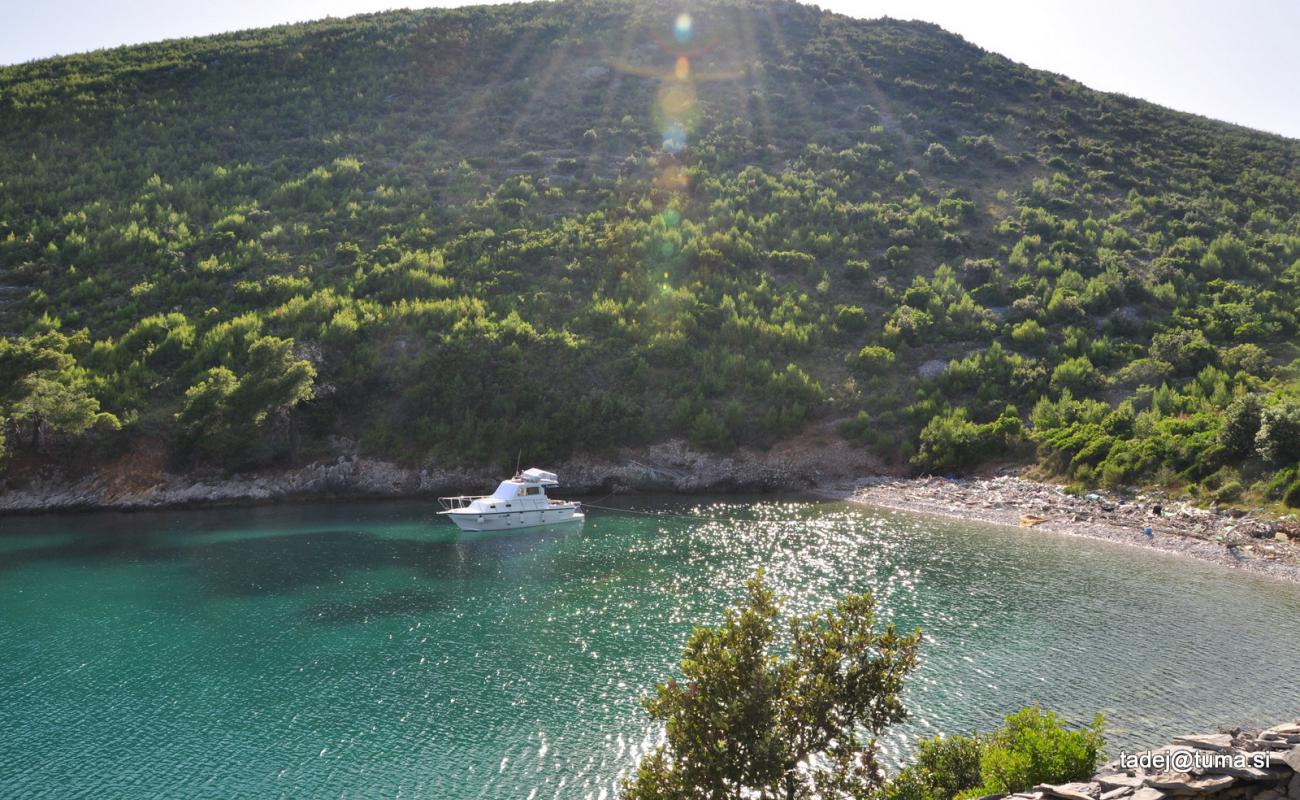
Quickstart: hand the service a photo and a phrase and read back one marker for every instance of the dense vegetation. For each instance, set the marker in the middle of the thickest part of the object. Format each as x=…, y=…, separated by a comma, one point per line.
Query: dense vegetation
x=1031, y=748
x=565, y=227
x=793, y=711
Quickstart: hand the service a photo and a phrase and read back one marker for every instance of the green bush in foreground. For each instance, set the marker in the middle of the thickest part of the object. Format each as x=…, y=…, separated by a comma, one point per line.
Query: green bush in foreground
x=1035, y=747
x=1032, y=747
x=944, y=768
x=745, y=722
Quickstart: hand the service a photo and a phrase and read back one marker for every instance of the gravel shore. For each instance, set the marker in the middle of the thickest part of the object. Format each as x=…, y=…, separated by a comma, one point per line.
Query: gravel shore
x=819, y=459
x=1241, y=541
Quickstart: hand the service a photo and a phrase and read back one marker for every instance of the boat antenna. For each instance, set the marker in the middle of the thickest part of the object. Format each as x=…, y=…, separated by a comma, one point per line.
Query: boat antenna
x=518, y=455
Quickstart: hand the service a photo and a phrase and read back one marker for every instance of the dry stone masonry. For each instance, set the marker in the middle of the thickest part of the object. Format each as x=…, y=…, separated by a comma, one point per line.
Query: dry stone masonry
x=1235, y=765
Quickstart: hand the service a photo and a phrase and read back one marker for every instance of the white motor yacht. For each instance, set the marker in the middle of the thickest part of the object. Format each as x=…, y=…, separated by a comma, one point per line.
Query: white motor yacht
x=520, y=502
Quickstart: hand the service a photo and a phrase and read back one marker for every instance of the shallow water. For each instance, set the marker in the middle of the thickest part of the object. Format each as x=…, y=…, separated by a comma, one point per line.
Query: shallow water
x=373, y=650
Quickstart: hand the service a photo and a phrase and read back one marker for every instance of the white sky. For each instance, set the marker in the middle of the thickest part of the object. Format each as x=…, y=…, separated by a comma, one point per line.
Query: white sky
x=1233, y=61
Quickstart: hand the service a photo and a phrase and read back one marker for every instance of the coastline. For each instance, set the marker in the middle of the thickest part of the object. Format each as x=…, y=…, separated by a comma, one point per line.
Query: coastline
x=673, y=467
x=820, y=464
x=1232, y=540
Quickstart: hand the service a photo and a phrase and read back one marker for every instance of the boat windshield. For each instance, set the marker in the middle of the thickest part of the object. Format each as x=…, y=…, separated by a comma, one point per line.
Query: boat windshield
x=507, y=490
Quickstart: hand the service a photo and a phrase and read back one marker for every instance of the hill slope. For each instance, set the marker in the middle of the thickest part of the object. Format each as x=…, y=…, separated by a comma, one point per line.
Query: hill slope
x=569, y=226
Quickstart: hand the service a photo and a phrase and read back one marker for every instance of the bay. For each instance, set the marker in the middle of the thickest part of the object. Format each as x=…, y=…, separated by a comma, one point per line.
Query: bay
x=373, y=650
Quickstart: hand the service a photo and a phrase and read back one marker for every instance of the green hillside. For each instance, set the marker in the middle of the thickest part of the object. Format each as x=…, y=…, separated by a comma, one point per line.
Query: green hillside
x=565, y=227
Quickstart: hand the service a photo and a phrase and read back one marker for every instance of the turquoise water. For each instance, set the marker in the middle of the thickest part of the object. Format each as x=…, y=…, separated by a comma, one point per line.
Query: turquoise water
x=373, y=651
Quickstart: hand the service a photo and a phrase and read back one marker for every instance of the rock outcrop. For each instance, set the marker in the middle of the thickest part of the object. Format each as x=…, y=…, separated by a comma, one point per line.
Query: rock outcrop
x=669, y=467
x=1232, y=765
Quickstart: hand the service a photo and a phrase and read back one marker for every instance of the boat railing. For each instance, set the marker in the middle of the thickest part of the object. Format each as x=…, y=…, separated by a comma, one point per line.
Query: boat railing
x=460, y=501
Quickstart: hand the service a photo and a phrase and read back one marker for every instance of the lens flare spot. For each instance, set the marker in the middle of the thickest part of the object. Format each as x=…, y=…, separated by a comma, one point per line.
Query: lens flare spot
x=683, y=68
x=666, y=250
x=674, y=139
x=670, y=217
x=683, y=27
x=672, y=179
x=677, y=99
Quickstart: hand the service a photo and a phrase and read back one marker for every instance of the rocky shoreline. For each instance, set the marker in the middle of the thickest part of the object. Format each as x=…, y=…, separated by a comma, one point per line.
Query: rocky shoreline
x=822, y=464
x=1232, y=765
x=672, y=467
x=1231, y=538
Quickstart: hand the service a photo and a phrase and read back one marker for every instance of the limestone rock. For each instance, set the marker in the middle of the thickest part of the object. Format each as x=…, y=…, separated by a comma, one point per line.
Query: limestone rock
x=931, y=368
x=1220, y=743
x=1246, y=772
x=1291, y=758
x=1071, y=791
x=1184, y=783
x=1120, y=781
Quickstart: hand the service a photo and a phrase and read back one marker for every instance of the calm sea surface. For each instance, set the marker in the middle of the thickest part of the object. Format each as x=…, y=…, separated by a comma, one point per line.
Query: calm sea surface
x=373, y=650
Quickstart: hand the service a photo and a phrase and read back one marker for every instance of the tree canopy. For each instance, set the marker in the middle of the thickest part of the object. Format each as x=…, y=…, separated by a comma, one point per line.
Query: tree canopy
x=745, y=721
x=539, y=213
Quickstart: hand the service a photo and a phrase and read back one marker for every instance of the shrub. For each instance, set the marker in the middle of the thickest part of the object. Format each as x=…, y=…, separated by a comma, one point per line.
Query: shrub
x=1035, y=747
x=1187, y=351
x=850, y=318
x=1292, y=497
x=857, y=270
x=709, y=432
x=939, y=154
x=743, y=721
x=944, y=768
x=1241, y=424
x=874, y=357
x=1078, y=375
x=790, y=260
x=859, y=429
x=1028, y=334
x=1227, y=257
x=1228, y=492
x=1030, y=748
x=1279, y=483
x=1278, y=438
x=951, y=442
x=1249, y=358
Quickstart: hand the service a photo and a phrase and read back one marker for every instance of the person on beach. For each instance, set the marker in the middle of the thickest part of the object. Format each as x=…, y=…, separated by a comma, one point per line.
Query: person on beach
x=1147, y=532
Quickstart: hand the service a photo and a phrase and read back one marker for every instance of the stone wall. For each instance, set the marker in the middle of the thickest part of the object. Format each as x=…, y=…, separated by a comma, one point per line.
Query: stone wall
x=1235, y=765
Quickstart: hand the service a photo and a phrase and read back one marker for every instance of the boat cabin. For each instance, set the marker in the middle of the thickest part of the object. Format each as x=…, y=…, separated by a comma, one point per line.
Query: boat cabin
x=529, y=483
x=524, y=492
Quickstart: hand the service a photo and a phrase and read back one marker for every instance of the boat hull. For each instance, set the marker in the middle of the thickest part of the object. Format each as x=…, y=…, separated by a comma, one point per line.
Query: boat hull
x=512, y=520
